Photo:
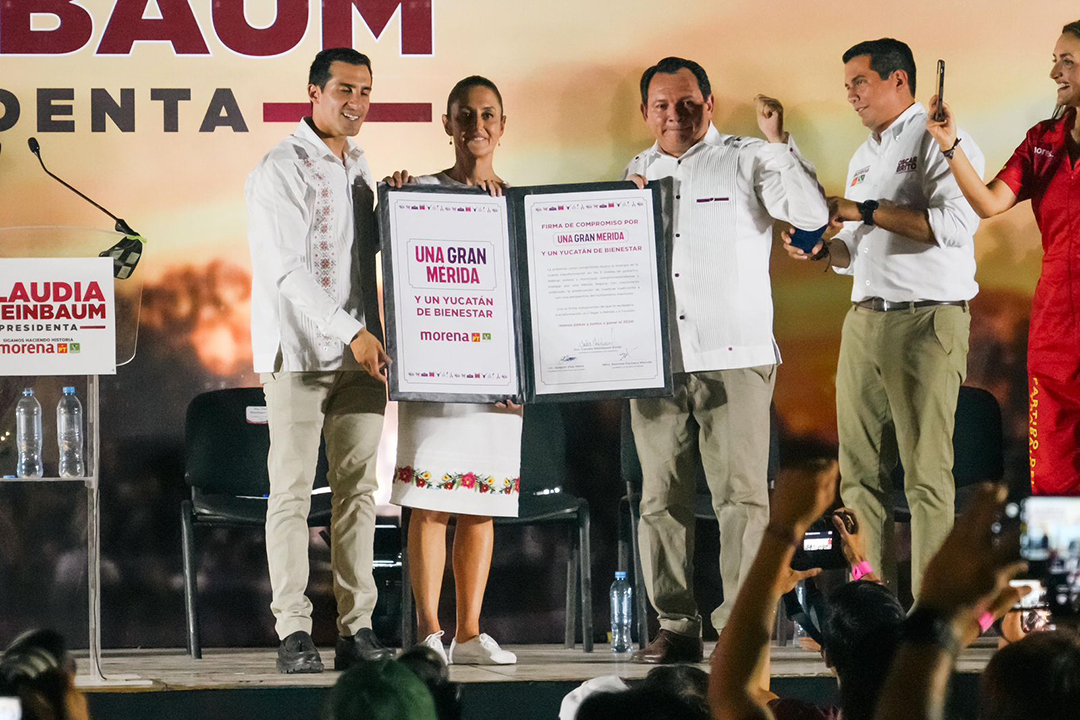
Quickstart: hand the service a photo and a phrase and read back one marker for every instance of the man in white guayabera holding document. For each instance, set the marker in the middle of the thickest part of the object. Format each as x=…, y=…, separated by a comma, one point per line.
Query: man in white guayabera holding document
x=321, y=368
x=728, y=191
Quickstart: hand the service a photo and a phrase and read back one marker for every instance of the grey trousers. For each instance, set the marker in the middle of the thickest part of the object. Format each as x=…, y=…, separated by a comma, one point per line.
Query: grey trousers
x=346, y=407
x=723, y=417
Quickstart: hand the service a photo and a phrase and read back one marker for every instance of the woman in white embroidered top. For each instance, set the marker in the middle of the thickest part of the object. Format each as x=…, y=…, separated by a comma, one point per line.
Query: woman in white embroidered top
x=455, y=458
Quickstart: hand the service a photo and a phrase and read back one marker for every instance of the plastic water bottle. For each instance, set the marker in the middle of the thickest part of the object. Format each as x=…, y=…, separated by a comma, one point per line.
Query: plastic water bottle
x=28, y=435
x=621, y=595
x=69, y=435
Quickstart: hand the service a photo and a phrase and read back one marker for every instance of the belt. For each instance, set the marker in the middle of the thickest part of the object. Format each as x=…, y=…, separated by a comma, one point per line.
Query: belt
x=878, y=305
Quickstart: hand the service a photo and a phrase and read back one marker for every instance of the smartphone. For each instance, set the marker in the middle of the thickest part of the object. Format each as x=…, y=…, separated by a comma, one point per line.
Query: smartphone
x=1050, y=542
x=939, y=116
x=820, y=548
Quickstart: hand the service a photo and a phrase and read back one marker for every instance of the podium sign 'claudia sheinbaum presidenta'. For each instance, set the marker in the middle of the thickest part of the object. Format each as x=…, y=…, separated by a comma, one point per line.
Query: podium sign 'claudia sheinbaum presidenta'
x=57, y=316
x=547, y=293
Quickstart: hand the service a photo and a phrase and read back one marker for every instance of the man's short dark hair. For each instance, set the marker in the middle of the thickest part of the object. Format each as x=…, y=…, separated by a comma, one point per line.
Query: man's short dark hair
x=319, y=74
x=861, y=632
x=427, y=665
x=640, y=703
x=1038, y=677
x=379, y=690
x=670, y=66
x=886, y=57
x=686, y=682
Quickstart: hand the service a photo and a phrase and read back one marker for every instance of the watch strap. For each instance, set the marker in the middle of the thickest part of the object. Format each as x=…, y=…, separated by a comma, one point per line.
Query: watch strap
x=866, y=210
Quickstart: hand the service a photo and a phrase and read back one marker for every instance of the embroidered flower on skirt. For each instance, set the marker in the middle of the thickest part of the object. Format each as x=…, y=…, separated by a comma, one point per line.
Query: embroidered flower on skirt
x=458, y=481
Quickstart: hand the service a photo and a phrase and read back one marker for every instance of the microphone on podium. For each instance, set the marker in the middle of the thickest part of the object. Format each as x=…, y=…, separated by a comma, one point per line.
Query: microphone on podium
x=126, y=253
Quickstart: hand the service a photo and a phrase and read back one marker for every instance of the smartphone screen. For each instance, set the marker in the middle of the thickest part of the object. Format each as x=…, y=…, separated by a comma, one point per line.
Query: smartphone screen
x=939, y=116
x=10, y=708
x=817, y=541
x=820, y=548
x=1050, y=542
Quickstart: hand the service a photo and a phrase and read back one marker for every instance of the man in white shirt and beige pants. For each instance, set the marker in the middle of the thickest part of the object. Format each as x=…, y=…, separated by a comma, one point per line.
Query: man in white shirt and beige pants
x=906, y=234
x=728, y=191
x=320, y=367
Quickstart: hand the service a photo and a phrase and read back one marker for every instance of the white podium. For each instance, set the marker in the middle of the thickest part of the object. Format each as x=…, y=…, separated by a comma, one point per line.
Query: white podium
x=59, y=305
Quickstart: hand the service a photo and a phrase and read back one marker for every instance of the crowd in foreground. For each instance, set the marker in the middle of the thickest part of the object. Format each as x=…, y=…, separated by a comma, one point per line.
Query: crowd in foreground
x=888, y=663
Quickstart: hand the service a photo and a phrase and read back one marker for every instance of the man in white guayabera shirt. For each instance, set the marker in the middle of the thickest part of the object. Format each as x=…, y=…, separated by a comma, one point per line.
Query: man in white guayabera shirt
x=906, y=235
x=320, y=366
x=728, y=191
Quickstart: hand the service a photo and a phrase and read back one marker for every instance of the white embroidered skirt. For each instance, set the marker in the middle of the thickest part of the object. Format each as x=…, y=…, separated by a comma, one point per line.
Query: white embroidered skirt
x=458, y=458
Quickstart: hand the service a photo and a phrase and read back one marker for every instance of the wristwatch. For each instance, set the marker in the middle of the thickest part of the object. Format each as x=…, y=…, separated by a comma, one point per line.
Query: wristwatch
x=925, y=626
x=866, y=209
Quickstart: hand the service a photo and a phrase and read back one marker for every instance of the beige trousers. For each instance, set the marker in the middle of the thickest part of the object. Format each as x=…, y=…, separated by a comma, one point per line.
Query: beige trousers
x=723, y=416
x=896, y=387
x=346, y=407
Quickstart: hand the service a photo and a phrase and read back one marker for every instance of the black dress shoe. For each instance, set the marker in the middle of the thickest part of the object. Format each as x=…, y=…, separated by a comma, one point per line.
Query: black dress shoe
x=297, y=654
x=669, y=647
x=362, y=646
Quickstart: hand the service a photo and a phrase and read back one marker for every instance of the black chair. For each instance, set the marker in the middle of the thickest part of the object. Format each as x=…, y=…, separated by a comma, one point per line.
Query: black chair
x=225, y=450
x=978, y=449
x=629, y=506
x=543, y=500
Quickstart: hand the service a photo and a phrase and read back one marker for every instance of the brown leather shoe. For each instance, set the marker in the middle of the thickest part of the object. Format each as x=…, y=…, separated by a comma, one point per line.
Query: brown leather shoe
x=669, y=647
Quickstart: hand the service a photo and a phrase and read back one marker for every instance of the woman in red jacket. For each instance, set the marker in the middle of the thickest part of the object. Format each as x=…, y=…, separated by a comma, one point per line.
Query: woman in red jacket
x=1044, y=169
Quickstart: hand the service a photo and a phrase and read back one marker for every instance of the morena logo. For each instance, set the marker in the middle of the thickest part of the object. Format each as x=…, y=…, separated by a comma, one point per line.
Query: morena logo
x=50, y=28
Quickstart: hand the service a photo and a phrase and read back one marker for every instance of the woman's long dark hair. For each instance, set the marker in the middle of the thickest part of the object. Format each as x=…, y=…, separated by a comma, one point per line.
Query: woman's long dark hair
x=1073, y=29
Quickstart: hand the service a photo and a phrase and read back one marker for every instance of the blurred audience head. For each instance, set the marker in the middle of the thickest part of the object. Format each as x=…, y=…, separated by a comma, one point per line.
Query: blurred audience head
x=861, y=632
x=1037, y=677
x=640, y=703
x=37, y=669
x=380, y=690
x=432, y=671
x=686, y=682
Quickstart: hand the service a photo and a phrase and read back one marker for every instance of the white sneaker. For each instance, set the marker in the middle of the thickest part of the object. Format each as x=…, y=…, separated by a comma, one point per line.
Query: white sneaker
x=434, y=641
x=482, y=650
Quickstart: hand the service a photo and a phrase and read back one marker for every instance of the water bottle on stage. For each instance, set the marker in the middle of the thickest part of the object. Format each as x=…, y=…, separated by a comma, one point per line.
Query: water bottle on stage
x=28, y=435
x=69, y=435
x=621, y=594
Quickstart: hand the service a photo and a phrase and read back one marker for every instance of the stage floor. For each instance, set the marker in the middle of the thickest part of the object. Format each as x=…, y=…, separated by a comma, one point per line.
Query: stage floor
x=166, y=670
